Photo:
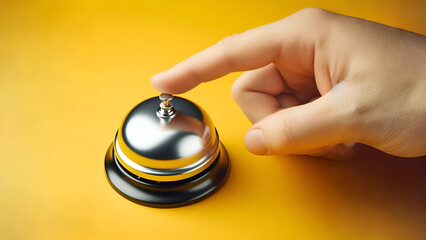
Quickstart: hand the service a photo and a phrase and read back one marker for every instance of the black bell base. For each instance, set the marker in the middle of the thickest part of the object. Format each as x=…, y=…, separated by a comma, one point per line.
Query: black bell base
x=167, y=194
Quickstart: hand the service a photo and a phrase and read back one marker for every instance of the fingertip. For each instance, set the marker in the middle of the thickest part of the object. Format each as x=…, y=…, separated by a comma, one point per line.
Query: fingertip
x=158, y=83
x=164, y=83
x=173, y=81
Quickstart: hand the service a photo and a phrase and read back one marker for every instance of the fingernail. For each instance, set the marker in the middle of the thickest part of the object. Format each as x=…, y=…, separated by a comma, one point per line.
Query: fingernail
x=255, y=142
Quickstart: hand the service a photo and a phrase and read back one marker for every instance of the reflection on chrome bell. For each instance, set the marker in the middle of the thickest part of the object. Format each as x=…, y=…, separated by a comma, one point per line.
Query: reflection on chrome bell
x=166, y=153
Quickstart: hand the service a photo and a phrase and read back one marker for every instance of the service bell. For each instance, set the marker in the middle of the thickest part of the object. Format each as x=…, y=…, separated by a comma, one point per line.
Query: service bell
x=166, y=153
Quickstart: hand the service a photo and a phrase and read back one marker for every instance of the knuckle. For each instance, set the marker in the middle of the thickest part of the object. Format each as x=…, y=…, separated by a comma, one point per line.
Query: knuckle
x=312, y=12
x=229, y=41
x=236, y=91
x=238, y=88
x=226, y=46
x=314, y=17
x=286, y=141
x=315, y=21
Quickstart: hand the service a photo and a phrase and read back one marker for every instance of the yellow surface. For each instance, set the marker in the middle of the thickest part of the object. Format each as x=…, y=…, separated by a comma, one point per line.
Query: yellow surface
x=70, y=71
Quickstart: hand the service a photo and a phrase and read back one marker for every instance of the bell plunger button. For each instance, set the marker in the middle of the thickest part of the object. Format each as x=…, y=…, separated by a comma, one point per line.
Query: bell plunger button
x=166, y=110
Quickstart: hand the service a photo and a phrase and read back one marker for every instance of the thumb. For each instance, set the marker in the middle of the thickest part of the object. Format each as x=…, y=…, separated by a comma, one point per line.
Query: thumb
x=298, y=129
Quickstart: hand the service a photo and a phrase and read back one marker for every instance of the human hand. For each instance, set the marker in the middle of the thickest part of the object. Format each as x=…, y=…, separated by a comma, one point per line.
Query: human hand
x=319, y=79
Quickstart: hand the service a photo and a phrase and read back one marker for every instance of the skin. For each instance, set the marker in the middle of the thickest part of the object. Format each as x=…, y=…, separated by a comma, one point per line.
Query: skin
x=317, y=79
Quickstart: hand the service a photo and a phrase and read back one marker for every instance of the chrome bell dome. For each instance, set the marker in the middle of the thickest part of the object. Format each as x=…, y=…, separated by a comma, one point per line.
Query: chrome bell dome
x=166, y=153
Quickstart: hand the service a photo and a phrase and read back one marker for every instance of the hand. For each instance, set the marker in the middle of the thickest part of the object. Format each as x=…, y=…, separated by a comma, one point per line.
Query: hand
x=319, y=79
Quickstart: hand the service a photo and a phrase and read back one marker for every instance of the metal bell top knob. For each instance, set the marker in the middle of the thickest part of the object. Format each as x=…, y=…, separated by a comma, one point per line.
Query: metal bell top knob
x=166, y=110
x=166, y=98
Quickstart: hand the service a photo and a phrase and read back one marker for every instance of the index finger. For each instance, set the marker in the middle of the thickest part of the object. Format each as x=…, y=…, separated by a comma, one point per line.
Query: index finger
x=249, y=50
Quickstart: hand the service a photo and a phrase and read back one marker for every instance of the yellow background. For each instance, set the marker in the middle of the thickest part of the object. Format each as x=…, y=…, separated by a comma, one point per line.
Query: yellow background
x=70, y=71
